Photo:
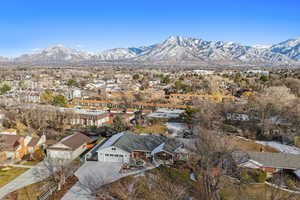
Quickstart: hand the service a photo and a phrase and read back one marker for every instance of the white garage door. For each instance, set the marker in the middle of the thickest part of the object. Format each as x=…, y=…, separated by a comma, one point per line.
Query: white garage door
x=113, y=157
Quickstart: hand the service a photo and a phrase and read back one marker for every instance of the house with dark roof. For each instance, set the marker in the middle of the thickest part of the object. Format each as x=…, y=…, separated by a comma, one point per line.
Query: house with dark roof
x=267, y=161
x=69, y=147
x=126, y=145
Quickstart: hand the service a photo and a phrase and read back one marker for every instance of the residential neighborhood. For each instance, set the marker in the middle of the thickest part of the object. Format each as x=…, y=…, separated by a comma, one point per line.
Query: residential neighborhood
x=86, y=130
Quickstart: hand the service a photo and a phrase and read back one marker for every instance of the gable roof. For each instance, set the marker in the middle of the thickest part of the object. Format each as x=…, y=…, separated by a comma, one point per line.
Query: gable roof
x=72, y=141
x=8, y=142
x=33, y=141
x=130, y=142
x=76, y=140
x=272, y=160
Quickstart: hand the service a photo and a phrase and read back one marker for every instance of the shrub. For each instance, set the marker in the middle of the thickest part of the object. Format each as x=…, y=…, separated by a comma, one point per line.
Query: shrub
x=289, y=181
x=230, y=129
x=245, y=177
x=261, y=176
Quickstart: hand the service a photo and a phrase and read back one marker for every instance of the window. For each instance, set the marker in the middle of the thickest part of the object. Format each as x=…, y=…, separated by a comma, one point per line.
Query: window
x=106, y=155
x=113, y=148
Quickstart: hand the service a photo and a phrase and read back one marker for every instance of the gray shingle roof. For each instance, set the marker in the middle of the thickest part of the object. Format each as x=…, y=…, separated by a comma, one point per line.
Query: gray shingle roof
x=276, y=160
x=145, y=142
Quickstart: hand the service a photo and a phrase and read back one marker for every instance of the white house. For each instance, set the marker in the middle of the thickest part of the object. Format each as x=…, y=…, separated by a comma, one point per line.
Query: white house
x=125, y=146
x=237, y=117
x=75, y=93
x=69, y=147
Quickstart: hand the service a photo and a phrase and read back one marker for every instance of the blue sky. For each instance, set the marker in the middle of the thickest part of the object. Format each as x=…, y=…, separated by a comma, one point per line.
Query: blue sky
x=96, y=25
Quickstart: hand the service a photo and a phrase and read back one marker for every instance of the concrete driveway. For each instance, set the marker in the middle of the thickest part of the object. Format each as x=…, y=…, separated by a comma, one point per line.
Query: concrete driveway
x=95, y=174
x=92, y=173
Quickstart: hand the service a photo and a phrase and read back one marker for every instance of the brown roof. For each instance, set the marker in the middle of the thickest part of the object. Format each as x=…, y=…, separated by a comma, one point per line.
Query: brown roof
x=50, y=142
x=33, y=141
x=8, y=142
x=76, y=140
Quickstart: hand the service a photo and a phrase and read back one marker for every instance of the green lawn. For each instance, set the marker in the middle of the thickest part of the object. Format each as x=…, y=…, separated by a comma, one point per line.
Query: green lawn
x=8, y=174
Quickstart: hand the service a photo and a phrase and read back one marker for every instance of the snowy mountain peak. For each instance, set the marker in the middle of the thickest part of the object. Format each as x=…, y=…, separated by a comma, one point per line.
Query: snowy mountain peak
x=178, y=50
x=56, y=53
x=290, y=47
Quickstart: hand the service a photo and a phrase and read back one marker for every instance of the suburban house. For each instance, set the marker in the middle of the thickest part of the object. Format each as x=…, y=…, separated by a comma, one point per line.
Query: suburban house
x=35, y=143
x=85, y=117
x=237, y=117
x=15, y=147
x=73, y=116
x=12, y=147
x=9, y=131
x=126, y=146
x=165, y=114
x=69, y=147
x=267, y=161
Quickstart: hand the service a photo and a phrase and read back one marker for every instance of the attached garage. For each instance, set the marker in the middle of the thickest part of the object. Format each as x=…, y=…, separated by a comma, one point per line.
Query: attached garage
x=113, y=154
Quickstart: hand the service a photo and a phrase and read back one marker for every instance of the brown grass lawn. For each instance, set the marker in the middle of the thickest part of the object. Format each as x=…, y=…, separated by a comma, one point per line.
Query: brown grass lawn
x=30, y=192
x=246, y=145
x=158, y=128
x=8, y=175
x=30, y=163
x=258, y=192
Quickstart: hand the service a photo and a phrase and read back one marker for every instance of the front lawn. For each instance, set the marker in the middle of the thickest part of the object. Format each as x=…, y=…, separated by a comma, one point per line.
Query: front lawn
x=30, y=192
x=29, y=163
x=8, y=174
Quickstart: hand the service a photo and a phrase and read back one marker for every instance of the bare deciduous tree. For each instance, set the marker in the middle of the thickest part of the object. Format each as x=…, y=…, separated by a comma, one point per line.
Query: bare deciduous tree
x=56, y=171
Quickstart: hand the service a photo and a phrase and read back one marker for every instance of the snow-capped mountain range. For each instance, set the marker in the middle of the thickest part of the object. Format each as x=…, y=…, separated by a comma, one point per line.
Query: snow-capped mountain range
x=175, y=50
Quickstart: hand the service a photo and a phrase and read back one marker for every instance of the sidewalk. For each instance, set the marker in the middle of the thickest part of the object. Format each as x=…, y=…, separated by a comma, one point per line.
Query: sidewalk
x=25, y=179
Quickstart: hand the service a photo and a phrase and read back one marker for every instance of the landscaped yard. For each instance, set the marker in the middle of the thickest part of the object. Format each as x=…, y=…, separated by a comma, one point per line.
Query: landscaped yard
x=8, y=174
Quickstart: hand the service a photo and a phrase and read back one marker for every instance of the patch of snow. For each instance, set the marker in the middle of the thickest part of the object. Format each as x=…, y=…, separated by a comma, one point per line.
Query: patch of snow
x=173, y=126
x=193, y=177
x=281, y=147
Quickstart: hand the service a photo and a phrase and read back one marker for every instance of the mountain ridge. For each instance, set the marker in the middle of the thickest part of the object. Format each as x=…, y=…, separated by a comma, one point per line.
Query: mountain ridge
x=174, y=50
